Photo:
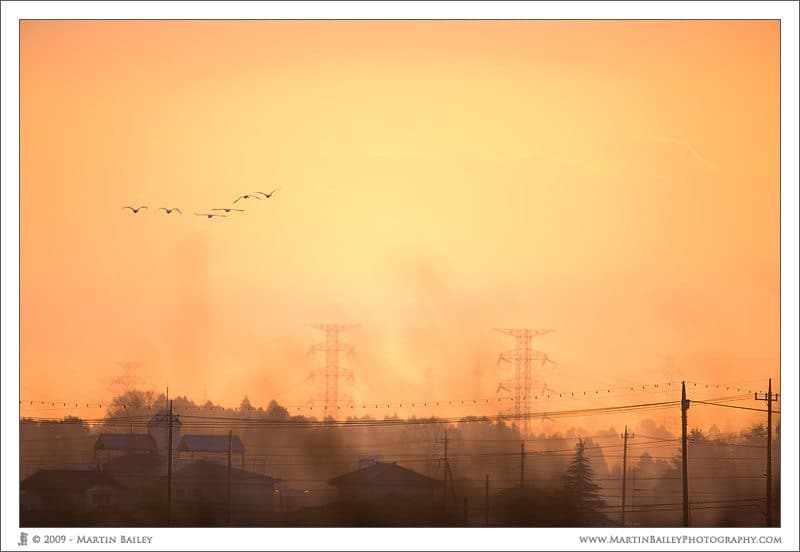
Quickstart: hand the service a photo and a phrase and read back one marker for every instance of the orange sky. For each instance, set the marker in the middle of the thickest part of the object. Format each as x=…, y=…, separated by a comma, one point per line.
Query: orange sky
x=616, y=181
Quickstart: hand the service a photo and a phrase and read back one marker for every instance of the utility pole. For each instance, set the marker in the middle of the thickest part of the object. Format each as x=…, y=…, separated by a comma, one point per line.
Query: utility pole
x=522, y=471
x=230, y=471
x=169, y=468
x=624, y=468
x=633, y=488
x=769, y=397
x=684, y=466
x=487, y=500
x=445, y=470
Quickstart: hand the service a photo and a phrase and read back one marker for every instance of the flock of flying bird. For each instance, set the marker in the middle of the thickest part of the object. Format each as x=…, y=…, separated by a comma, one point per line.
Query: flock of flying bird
x=169, y=211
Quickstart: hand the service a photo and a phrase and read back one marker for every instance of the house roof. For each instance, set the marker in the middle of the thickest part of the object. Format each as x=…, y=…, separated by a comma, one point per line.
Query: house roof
x=210, y=443
x=67, y=480
x=125, y=441
x=386, y=474
x=210, y=471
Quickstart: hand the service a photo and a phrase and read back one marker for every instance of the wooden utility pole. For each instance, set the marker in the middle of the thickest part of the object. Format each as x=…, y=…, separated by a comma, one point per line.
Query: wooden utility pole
x=169, y=467
x=487, y=500
x=522, y=471
x=769, y=397
x=445, y=471
x=230, y=471
x=624, y=468
x=684, y=466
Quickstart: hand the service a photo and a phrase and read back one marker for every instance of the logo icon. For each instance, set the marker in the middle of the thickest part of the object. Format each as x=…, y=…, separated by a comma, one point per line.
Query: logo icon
x=23, y=539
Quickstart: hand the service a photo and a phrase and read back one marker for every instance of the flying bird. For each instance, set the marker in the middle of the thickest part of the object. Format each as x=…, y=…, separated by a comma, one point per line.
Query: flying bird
x=209, y=215
x=246, y=196
x=269, y=195
x=169, y=211
x=136, y=209
x=228, y=209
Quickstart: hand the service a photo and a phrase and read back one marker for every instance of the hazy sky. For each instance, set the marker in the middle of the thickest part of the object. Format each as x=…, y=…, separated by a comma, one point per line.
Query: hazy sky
x=615, y=181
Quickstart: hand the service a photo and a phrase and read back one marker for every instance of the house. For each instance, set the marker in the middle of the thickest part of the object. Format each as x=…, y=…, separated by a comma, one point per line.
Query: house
x=199, y=490
x=213, y=448
x=201, y=495
x=380, y=494
x=111, y=445
x=145, y=477
x=108, y=446
x=71, y=497
x=383, y=480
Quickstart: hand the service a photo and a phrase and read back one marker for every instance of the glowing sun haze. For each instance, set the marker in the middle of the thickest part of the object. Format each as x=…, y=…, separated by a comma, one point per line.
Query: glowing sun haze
x=615, y=181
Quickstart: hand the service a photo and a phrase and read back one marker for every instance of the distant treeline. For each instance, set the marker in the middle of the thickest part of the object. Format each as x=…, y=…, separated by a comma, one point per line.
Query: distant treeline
x=727, y=486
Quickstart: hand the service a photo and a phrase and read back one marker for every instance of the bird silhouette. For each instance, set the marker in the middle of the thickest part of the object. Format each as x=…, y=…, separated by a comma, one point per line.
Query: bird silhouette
x=169, y=211
x=227, y=209
x=246, y=196
x=269, y=195
x=136, y=209
x=209, y=215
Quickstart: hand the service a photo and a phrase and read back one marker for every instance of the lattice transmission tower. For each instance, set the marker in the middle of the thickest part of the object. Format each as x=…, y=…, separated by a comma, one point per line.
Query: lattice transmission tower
x=128, y=379
x=523, y=357
x=332, y=371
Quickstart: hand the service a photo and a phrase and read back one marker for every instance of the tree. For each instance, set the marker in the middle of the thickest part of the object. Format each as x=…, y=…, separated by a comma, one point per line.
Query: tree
x=128, y=412
x=246, y=407
x=582, y=493
x=51, y=444
x=274, y=410
x=696, y=435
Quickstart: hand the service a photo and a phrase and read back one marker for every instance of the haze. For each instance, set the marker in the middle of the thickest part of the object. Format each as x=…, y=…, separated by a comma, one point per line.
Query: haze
x=615, y=181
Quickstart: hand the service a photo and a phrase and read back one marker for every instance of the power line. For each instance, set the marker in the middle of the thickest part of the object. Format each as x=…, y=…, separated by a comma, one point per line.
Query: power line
x=738, y=407
x=588, y=394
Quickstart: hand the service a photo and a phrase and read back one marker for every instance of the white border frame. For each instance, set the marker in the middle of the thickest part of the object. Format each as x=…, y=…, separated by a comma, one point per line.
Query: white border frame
x=392, y=539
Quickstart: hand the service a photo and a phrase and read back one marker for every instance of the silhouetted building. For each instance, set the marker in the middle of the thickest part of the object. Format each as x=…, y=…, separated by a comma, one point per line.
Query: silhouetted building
x=382, y=480
x=145, y=477
x=381, y=494
x=155, y=441
x=71, y=497
x=213, y=448
x=201, y=495
x=111, y=445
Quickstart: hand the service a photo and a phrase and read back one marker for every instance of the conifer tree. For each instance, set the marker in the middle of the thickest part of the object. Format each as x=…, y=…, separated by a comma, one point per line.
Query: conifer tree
x=582, y=492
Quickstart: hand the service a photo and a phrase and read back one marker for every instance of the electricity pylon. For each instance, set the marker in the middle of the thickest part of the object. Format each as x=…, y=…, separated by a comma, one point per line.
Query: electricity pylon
x=332, y=371
x=523, y=355
x=127, y=380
